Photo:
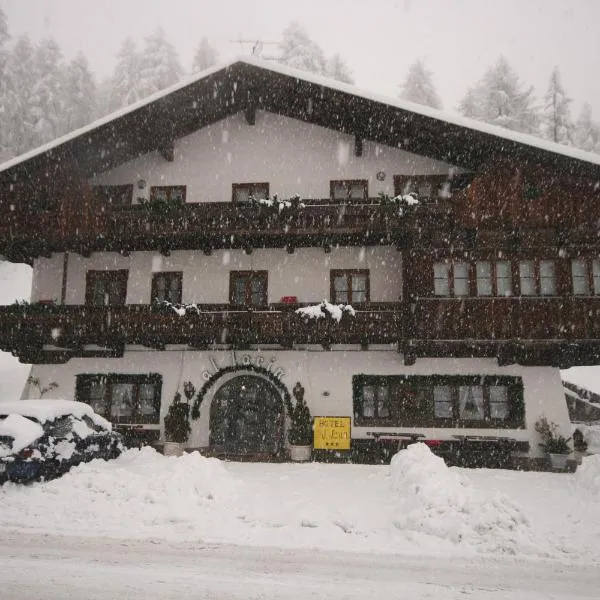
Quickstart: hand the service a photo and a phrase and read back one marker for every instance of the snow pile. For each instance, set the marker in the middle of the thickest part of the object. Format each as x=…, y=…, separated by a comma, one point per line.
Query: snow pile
x=438, y=501
x=48, y=410
x=326, y=309
x=591, y=436
x=587, y=477
x=22, y=430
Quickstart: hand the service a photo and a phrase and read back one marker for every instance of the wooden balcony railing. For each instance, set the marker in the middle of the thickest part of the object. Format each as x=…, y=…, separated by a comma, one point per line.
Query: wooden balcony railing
x=567, y=329
x=92, y=227
x=27, y=330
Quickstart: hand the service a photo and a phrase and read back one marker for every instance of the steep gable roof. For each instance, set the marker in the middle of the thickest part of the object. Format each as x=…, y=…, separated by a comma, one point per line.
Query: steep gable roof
x=249, y=83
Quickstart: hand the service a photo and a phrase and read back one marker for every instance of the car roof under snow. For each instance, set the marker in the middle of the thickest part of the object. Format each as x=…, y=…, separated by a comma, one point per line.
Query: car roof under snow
x=44, y=410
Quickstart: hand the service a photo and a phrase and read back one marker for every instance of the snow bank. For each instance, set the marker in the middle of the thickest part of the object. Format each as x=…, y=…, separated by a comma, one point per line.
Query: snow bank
x=438, y=501
x=587, y=477
x=22, y=430
x=591, y=435
x=48, y=410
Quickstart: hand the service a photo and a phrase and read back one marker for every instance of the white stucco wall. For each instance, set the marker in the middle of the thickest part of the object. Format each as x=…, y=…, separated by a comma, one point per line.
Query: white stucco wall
x=293, y=156
x=327, y=379
x=305, y=273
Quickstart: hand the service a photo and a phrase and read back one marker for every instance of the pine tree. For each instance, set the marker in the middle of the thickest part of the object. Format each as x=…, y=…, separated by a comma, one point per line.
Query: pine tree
x=586, y=133
x=297, y=50
x=556, y=120
x=126, y=86
x=20, y=78
x=80, y=94
x=498, y=98
x=205, y=56
x=47, y=98
x=4, y=90
x=337, y=69
x=418, y=86
x=160, y=64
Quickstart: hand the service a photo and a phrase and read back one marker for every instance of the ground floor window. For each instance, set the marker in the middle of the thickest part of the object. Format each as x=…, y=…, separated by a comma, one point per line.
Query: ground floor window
x=122, y=398
x=438, y=401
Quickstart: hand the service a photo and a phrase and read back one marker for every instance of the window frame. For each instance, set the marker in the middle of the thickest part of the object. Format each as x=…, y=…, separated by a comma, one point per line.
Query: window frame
x=537, y=277
x=450, y=268
x=404, y=184
x=262, y=275
x=84, y=381
x=422, y=413
x=119, y=275
x=592, y=276
x=252, y=186
x=349, y=274
x=104, y=193
x=347, y=183
x=169, y=189
x=168, y=274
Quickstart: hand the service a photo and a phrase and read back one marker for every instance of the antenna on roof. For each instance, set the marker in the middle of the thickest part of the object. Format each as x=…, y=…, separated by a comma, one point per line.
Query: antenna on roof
x=256, y=47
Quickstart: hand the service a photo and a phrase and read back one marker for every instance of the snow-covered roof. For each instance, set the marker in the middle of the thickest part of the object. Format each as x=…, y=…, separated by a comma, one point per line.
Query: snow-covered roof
x=47, y=410
x=395, y=103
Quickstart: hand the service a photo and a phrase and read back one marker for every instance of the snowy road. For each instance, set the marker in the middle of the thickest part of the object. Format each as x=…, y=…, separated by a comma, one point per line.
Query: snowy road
x=56, y=567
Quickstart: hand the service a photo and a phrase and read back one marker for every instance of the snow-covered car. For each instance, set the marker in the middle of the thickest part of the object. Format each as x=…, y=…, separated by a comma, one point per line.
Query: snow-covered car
x=45, y=438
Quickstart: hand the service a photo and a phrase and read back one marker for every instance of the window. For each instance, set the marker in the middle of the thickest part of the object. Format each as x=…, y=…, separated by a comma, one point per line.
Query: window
x=585, y=274
x=241, y=192
x=168, y=193
x=166, y=286
x=115, y=195
x=248, y=288
x=106, y=288
x=537, y=278
x=483, y=271
x=547, y=278
x=503, y=278
x=438, y=401
x=451, y=278
x=428, y=188
x=350, y=286
x=122, y=398
x=349, y=189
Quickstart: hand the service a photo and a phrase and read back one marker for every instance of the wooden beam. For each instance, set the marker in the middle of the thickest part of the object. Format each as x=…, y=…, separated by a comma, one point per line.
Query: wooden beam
x=358, y=145
x=167, y=151
x=250, y=114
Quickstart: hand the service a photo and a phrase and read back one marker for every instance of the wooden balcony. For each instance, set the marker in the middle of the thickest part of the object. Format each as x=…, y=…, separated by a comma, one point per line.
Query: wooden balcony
x=41, y=333
x=544, y=331
x=209, y=225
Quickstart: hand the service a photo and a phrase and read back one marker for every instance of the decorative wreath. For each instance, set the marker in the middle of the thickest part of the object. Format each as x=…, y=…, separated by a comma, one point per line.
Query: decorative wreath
x=287, y=398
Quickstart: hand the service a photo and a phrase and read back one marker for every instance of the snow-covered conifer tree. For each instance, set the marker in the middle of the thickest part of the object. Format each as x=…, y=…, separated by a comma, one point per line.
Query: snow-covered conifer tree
x=336, y=68
x=160, y=66
x=297, y=50
x=204, y=57
x=418, y=86
x=556, y=119
x=586, y=133
x=19, y=79
x=80, y=94
x=126, y=87
x=499, y=98
x=4, y=89
x=47, y=97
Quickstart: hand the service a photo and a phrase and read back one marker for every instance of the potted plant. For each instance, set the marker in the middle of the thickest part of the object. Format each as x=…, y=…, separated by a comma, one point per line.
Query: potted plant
x=177, y=427
x=556, y=445
x=300, y=434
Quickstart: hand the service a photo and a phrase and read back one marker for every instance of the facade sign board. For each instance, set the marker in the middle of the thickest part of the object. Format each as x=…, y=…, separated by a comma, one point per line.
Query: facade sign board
x=332, y=433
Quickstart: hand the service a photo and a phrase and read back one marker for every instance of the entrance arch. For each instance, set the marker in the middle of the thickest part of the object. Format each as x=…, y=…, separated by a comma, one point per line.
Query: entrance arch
x=247, y=416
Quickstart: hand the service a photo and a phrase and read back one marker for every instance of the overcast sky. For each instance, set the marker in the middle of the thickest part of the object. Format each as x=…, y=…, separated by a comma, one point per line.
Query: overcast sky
x=379, y=39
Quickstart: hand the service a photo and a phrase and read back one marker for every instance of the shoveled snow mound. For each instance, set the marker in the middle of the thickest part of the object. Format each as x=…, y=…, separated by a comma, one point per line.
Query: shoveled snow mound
x=439, y=501
x=587, y=476
x=141, y=491
x=591, y=435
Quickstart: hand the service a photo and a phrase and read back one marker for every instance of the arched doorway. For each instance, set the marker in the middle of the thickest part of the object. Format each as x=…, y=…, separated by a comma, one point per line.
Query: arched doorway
x=247, y=417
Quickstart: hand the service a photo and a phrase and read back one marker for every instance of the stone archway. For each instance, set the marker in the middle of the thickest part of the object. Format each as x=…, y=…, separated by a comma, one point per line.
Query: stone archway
x=247, y=416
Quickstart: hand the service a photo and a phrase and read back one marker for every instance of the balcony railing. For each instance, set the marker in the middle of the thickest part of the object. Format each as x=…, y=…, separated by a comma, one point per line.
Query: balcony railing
x=206, y=225
x=566, y=329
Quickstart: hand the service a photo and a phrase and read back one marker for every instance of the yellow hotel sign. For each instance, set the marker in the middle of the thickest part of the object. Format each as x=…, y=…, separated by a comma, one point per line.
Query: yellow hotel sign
x=332, y=433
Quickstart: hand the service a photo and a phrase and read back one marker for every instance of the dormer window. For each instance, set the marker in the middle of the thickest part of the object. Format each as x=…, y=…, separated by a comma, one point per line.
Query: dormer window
x=114, y=195
x=168, y=193
x=241, y=192
x=349, y=189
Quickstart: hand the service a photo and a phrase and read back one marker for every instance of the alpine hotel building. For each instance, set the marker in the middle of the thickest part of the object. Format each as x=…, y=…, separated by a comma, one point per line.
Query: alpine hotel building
x=157, y=268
